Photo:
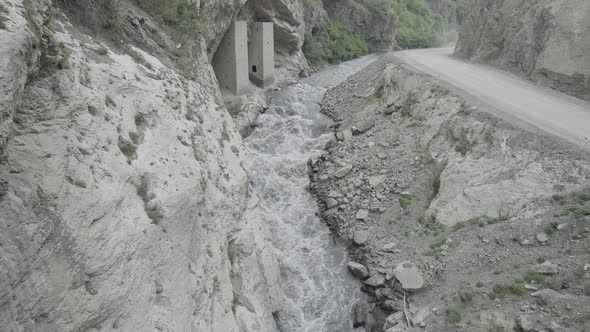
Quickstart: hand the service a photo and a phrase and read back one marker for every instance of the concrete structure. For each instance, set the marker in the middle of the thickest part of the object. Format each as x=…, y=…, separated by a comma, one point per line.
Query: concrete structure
x=261, y=54
x=231, y=60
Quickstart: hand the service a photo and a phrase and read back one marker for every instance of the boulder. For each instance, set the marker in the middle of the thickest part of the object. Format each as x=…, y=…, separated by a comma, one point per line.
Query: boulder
x=331, y=202
x=376, y=280
x=542, y=238
x=409, y=276
x=360, y=313
x=362, y=214
x=358, y=270
x=546, y=268
x=360, y=237
x=340, y=173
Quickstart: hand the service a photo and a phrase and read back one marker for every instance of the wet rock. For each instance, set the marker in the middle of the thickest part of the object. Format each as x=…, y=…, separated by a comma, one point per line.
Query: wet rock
x=376, y=280
x=340, y=173
x=358, y=270
x=360, y=313
x=331, y=202
x=360, y=237
x=409, y=276
x=546, y=268
x=362, y=214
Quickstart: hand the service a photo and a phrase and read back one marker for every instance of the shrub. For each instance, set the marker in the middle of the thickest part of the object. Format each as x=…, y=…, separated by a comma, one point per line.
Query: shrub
x=3, y=19
x=453, y=316
x=416, y=24
x=185, y=17
x=340, y=44
x=406, y=201
x=534, y=277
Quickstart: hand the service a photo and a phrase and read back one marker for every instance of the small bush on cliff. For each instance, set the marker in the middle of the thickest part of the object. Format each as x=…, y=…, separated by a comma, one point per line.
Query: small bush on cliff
x=3, y=19
x=184, y=16
x=339, y=45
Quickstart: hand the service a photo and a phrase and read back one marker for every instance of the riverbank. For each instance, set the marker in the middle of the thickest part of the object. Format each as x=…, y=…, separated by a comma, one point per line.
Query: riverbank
x=458, y=220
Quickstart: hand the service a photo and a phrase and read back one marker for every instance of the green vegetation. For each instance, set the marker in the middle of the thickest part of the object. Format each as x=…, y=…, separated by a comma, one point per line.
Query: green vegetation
x=576, y=211
x=64, y=60
x=339, y=45
x=406, y=201
x=453, y=316
x=3, y=19
x=127, y=148
x=185, y=17
x=551, y=228
x=500, y=291
x=92, y=110
x=417, y=26
x=535, y=277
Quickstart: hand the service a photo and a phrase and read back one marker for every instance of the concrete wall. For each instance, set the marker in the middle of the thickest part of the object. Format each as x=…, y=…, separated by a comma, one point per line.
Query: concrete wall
x=231, y=59
x=261, y=54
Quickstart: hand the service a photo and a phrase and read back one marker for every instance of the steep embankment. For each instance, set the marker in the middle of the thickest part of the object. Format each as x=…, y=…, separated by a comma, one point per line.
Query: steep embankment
x=547, y=41
x=125, y=201
x=458, y=221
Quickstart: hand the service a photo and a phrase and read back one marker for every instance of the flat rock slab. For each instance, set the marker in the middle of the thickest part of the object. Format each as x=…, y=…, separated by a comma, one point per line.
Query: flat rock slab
x=409, y=276
x=362, y=214
x=340, y=173
x=331, y=202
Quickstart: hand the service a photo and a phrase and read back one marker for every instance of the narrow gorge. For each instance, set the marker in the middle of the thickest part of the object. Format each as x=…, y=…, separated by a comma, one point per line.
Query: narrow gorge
x=281, y=165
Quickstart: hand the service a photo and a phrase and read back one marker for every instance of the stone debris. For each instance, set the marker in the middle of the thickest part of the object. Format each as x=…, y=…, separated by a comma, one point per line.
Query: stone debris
x=358, y=270
x=361, y=237
x=362, y=214
x=340, y=173
x=331, y=202
x=542, y=238
x=375, y=280
x=546, y=268
x=409, y=276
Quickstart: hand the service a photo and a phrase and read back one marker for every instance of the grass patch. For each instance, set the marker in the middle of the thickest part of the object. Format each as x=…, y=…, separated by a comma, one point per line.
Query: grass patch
x=453, y=316
x=551, y=228
x=92, y=110
x=501, y=291
x=337, y=45
x=463, y=147
x=405, y=201
x=102, y=50
x=127, y=148
x=430, y=224
x=535, y=277
x=3, y=19
x=576, y=211
x=139, y=58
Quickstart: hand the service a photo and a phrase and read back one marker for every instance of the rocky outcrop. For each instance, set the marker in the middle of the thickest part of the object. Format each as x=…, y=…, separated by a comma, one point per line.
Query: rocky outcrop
x=125, y=201
x=547, y=41
x=374, y=24
x=458, y=209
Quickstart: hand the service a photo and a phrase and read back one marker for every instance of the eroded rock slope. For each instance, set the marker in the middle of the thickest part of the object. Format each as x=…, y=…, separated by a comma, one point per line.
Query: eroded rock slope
x=547, y=41
x=125, y=201
x=458, y=221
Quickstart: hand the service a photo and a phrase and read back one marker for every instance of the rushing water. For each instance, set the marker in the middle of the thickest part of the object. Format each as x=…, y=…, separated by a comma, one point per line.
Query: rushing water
x=319, y=292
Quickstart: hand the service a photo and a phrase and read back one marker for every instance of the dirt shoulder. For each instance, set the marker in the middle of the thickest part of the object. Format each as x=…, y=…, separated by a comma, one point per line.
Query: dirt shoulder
x=458, y=220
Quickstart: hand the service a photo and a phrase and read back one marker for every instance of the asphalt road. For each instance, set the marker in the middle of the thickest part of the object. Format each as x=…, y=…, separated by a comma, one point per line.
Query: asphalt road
x=519, y=101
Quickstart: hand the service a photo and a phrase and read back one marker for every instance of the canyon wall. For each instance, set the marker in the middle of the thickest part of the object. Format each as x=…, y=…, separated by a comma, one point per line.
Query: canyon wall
x=547, y=41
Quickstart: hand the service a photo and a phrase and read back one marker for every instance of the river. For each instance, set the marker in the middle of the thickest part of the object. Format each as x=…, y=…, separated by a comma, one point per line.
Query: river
x=319, y=291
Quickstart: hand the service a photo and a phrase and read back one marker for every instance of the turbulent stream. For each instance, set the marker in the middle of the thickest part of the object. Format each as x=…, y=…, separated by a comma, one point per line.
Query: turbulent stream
x=319, y=293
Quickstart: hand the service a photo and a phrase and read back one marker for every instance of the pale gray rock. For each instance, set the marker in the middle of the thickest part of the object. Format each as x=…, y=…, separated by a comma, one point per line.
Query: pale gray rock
x=529, y=38
x=358, y=270
x=331, y=202
x=362, y=214
x=360, y=237
x=542, y=238
x=409, y=276
x=376, y=280
x=546, y=268
x=340, y=173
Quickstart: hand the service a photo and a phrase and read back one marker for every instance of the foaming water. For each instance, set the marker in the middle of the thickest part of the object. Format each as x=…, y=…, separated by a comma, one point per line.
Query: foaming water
x=319, y=292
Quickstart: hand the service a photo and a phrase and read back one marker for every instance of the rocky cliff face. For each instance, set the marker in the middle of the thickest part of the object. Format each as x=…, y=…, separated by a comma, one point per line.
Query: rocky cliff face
x=364, y=18
x=547, y=41
x=125, y=201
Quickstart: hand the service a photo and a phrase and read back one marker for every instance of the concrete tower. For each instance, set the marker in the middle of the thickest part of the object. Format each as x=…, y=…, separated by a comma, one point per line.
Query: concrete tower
x=231, y=60
x=261, y=54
